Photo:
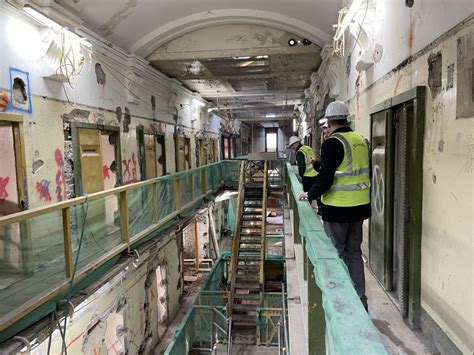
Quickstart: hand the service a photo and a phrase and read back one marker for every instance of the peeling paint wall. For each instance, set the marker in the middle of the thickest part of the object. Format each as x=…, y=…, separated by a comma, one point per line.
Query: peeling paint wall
x=120, y=312
x=116, y=93
x=447, y=228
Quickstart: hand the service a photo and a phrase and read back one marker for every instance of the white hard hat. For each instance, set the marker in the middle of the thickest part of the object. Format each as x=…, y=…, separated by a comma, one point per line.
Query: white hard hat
x=336, y=110
x=323, y=122
x=293, y=140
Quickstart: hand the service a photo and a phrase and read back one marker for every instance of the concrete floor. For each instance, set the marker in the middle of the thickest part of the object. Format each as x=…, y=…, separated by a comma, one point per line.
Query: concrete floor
x=397, y=336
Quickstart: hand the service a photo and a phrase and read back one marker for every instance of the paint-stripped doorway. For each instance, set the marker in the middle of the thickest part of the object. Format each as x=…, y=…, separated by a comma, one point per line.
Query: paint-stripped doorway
x=14, y=241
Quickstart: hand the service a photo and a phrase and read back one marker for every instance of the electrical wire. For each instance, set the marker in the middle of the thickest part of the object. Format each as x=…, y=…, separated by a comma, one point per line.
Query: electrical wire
x=360, y=28
x=70, y=288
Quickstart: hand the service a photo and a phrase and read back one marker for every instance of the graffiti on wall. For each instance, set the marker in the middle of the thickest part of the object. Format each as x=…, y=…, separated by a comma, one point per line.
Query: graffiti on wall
x=130, y=170
x=378, y=190
x=105, y=172
x=42, y=188
x=3, y=187
x=60, y=184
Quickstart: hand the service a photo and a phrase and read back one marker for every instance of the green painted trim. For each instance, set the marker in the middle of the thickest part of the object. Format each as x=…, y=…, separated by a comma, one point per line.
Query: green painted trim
x=439, y=338
x=389, y=198
x=316, y=317
x=416, y=130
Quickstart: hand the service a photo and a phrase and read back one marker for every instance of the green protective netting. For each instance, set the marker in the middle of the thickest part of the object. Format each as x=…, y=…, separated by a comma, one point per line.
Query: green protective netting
x=216, y=278
x=212, y=291
x=349, y=329
x=166, y=197
x=140, y=211
x=231, y=215
x=195, y=331
x=32, y=258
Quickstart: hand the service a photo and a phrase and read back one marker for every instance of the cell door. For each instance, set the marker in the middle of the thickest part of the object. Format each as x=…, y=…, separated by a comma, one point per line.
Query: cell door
x=90, y=154
x=381, y=223
x=150, y=156
x=397, y=183
x=180, y=154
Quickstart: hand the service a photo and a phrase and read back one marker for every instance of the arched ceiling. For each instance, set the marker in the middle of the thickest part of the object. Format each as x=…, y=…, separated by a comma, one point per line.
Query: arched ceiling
x=143, y=25
x=249, y=66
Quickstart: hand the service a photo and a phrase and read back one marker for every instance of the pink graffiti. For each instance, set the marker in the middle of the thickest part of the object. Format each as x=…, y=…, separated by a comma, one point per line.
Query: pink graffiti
x=105, y=172
x=3, y=187
x=60, y=193
x=42, y=188
x=130, y=177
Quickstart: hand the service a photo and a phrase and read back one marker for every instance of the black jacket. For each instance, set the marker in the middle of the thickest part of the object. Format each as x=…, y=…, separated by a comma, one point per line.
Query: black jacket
x=332, y=155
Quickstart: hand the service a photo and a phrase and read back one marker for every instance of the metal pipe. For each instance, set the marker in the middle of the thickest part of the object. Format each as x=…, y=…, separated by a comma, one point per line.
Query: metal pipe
x=229, y=336
x=285, y=330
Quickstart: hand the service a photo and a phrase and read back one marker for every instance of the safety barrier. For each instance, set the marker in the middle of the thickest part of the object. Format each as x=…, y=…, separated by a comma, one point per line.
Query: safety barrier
x=337, y=321
x=48, y=253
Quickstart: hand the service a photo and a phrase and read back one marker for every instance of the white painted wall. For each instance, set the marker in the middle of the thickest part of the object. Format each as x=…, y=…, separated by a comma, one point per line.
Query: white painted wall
x=447, y=225
x=44, y=126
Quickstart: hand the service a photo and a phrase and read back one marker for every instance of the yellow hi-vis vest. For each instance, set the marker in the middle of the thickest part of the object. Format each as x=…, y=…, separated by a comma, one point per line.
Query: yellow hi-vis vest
x=351, y=186
x=308, y=156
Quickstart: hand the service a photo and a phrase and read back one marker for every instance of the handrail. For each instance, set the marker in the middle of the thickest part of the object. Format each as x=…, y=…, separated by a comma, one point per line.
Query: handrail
x=126, y=239
x=349, y=329
x=285, y=326
x=264, y=226
x=236, y=239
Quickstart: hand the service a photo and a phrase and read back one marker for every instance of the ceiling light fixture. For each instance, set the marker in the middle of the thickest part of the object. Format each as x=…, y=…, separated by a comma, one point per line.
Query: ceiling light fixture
x=46, y=21
x=292, y=42
x=197, y=102
x=38, y=16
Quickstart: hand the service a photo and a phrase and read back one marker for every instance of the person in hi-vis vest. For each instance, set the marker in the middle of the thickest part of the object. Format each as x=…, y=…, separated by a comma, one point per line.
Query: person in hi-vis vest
x=343, y=183
x=306, y=160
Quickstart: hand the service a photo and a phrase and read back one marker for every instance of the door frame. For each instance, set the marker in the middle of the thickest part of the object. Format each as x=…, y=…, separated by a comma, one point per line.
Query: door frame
x=414, y=178
x=77, y=154
x=16, y=121
x=141, y=149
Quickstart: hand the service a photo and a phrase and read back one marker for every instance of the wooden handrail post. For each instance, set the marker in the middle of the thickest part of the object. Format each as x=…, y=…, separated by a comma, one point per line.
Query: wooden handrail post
x=124, y=230
x=155, y=202
x=178, y=193
x=191, y=178
x=66, y=212
x=204, y=181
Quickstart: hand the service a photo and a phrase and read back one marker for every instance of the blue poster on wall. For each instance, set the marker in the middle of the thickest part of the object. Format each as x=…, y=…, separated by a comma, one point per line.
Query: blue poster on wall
x=20, y=98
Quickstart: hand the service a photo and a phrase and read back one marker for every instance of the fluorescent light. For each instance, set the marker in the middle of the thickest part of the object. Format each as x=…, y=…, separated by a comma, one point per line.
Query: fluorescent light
x=261, y=56
x=211, y=109
x=270, y=115
x=38, y=16
x=199, y=103
x=246, y=64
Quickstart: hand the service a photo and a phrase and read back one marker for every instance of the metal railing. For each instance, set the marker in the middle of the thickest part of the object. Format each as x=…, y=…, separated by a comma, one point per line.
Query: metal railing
x=337, y=320
x=264, y=227
x=155, y=203
x=235, y=241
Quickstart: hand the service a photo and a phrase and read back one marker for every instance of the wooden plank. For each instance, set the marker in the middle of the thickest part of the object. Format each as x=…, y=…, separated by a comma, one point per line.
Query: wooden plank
x=178, y=193
x=67, y=234
x=124, y=230
x=11, y=117
x=204, y=181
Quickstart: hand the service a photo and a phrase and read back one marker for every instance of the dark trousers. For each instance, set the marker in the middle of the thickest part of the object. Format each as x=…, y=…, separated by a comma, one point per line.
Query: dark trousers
x=307, y=184
x=347, y=238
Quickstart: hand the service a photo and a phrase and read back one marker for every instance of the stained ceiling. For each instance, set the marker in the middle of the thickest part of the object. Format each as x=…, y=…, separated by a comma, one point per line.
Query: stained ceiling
x=235, y=55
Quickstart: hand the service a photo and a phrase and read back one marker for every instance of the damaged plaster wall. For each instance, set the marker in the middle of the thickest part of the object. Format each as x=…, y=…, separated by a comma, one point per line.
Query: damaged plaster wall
x=120, y=99
x=447, y=289
x=119, y=313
